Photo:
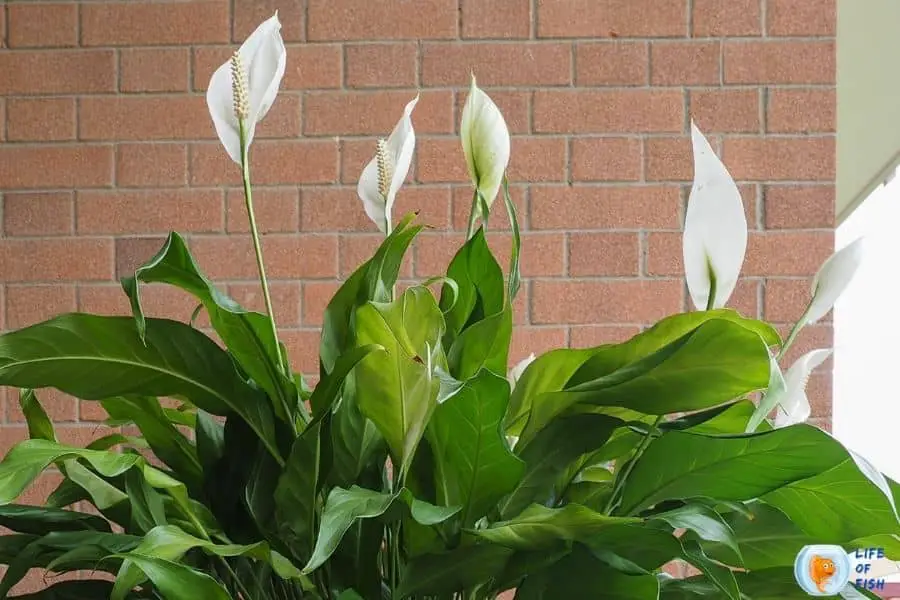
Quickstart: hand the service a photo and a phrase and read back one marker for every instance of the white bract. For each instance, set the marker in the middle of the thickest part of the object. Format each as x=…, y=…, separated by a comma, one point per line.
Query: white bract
x=516, y=372
x=832, y=279
x=386, y=172
x=244, y=88
x=715, y=228
x=794, y=404
x=485, y=141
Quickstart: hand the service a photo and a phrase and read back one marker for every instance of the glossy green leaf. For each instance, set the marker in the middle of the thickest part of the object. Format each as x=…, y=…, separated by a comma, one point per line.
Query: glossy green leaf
x=703, y=522
x=94, y=357
x=210, y=436
x=41, y=520
x=552, y=451
x=483, y=344
x=538, y=526
x=39, y=424
x=247, y=335
x=176, y=581
x=343, y=508
x=329, y=388
x=722, y=577
x=515, y=276
x=643, y=544
x=685, y=465
x=474, y=467
x=400, y=390
x=727, y=419
x=448, y=572
x=297, y=493
x=147, y=506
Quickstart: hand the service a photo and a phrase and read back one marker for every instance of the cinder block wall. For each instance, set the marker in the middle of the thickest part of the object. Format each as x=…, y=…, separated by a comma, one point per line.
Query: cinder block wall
x=106, y=144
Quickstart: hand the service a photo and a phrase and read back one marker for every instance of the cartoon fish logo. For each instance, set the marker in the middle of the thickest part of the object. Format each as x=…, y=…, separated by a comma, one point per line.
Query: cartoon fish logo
x=821, y=570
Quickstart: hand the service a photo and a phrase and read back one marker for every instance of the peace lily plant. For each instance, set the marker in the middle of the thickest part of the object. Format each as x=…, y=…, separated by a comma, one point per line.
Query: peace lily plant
x=419, y=466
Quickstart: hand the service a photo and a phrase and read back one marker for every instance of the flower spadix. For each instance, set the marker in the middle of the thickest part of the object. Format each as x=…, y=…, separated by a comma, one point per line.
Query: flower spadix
x=485, y=141
x=385, y=173
x=793, y=403
x=242, y=90
x=832, y=279
x=715, y=229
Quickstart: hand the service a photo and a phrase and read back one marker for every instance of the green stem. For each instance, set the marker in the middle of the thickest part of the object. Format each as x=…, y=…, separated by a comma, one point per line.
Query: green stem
x=623, y=478
x=711, y=301
x=792, y=336
x=470, y=230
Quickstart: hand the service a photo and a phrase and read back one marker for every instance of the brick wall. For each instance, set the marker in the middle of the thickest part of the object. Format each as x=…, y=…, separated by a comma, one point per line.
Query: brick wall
x=105, y=144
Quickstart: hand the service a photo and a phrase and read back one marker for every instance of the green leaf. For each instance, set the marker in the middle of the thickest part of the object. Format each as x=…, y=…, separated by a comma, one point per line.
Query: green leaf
x=448, y=572
x=177, y=360
x=553, y=450
x=39, y=424
x=474, y=467
x=538, y=526
x=483, y=344
x=684, y=465
x=703, y=522
x=514, y=274
x=726, y=419
x=343, y=508
x=177, y=582
x=297, y=493
x=90, y=589
x=722, y=577
x=210, y=436
x=247, y=335
x=147, y=506
x=329, y=388
x=41, y=520
x=400, y=390
x=643, y=544
x=167, y=443
x=836, y=505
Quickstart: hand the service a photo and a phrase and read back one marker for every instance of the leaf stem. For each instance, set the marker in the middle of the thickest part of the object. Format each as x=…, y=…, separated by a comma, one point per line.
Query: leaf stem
x=470, y=229
x=792, y=336
x=613, y=501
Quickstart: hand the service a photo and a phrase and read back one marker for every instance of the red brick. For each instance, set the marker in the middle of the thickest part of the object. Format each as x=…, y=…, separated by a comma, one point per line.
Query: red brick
x=538, y=159
x=668, y=159
x=801, y=17
x=56, y=259
x=664, y=254
x=496, y=18
x=84, y=165
x=303, y=349
x=801, y=158
x=61, y=72
x=616, y=111
x=801, y=111
x=154, y=69
x=605, y=254
x=787, y=299
x=514, y=106
x=286, y=256
x=157, y=211
x=799, y=207
x=606, y=159
x=745, y=298
x=787, y=253
x=40, y=119
x=42, y=25
x=357, y=248
x=819, y=392
x=316, y=296
x=536, y=340
x=152, y=23
x=381, y=65
x=612, y=63
x=726, y=110
x=313, y=66
x=30, y=304
x=145, y=118
x=273, y=163
x=283, y=120
x=588, y=336
x=685, y=63
x=440, y=160
x=38, y=214
x=151, y=165
x=351, y=20
x=275, y=209
x=773, y=62
x=624, y=301
x=612, y=18
x=718, y=18
x=346, y=113
x=526, y=63
x=133, y=252
x=285, y=300
x=499, y=219
x=432, y=204
x=813, y=337
x=248, y=14
x=59, y=407
x=603, y=207
x=334, y=209
x=542, y=254
x=109, y=299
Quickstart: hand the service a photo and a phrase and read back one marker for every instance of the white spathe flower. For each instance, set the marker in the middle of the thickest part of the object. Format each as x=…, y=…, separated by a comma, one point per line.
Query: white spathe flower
x=715, y=228
x=794, y=404
x=832, y=279
x=247, y=85
x=516, y=372
x=386, y=172
x=485, y=141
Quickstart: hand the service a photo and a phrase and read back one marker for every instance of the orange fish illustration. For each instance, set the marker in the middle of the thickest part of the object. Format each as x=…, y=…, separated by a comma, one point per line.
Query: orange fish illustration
x=821, y=570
